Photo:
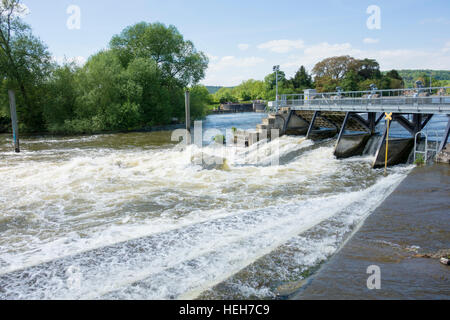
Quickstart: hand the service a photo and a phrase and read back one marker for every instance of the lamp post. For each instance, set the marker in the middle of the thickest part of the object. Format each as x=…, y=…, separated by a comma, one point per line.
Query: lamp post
x=276, y=69
x=431, y=82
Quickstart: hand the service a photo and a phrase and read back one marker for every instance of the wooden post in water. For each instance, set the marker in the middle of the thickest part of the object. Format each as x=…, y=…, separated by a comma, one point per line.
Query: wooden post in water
x=15, y=127
x=188, y=115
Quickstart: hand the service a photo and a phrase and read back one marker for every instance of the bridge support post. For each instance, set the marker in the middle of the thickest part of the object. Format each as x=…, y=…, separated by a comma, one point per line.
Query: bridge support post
x=372, y=122
x=286, y=123
x=445, y=138
x=311, y=125
x=344, y=124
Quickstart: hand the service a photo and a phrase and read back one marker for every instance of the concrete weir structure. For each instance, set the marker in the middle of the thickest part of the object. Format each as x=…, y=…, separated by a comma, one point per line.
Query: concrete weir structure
x=354, y=118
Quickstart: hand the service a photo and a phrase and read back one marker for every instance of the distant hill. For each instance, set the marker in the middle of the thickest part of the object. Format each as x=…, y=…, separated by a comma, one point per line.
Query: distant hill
x=214, y=89
x=410, y=76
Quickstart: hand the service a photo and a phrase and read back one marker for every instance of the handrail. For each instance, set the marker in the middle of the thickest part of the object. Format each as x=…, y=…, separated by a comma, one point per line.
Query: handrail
x=343, y=93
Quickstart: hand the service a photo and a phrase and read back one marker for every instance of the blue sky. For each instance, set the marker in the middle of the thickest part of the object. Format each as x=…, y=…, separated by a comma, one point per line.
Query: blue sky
x=245, y=38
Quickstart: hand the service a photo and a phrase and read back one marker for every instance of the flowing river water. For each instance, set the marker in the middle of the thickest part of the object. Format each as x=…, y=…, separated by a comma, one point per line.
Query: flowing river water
x=130, y=216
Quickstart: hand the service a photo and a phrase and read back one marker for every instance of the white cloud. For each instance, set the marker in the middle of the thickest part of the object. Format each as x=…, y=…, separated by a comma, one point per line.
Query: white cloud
x=371, y=40
x=233, y=62
x=231, y=70
x=314, y=53
x=388, y=59
x=212, y=58
x=243, y=46
x=282, y=46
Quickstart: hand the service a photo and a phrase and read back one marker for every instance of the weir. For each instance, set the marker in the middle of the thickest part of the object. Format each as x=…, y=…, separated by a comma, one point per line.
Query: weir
x=354, y=116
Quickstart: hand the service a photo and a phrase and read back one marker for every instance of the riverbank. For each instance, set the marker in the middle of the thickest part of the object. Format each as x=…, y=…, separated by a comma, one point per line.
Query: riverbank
x=412, y=221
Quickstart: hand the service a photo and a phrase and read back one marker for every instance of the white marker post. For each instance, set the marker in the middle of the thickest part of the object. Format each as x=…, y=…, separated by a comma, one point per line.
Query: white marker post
x=15, y=128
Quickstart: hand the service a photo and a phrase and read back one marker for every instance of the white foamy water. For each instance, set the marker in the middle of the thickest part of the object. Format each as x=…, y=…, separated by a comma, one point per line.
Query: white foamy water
x=147, y=223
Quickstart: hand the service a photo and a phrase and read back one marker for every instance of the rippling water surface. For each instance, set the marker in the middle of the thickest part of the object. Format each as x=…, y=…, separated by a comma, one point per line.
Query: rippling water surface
x=130, y=216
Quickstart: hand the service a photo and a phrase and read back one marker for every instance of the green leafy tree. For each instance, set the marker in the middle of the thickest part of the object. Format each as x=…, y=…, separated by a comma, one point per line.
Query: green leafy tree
x=326, y=84
x=334, y=68
x=270, y=80
x=200, y=99
x=177, y=58
x=350, y=81
x=393, y=74
x=367, y=69
x=225, y=95
x=302, y=80
x=62, y=93
x=24, y=62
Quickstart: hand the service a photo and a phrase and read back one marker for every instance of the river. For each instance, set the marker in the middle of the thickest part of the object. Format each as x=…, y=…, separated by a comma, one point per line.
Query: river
x=130, y=216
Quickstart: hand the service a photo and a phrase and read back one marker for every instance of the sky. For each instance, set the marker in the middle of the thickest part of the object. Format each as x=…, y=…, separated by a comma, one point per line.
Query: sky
x=244, y=39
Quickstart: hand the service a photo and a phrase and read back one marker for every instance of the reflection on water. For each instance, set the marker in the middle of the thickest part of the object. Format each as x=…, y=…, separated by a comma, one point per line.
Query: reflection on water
x=128, y=216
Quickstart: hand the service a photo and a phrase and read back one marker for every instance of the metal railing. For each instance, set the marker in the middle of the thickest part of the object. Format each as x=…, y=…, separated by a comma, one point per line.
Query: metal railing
x=444, y=91
x=427, y=149
x=420, y=100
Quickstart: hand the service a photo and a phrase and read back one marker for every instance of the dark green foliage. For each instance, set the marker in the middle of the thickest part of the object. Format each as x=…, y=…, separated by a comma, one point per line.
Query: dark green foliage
x=440, y=77
x=367, y=69
x=139, y=82
x=302, y=80
x=350, y=81
x=25, y=65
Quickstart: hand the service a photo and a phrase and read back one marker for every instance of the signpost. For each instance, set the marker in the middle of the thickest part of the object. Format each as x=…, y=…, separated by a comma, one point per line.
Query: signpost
x=389, y=119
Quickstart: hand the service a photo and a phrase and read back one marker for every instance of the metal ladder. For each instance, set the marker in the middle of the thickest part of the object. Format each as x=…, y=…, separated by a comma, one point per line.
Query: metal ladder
x=427, y=150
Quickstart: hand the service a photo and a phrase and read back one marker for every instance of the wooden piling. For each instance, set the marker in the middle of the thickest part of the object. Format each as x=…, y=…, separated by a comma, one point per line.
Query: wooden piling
x=15, y=127
x=188, y=114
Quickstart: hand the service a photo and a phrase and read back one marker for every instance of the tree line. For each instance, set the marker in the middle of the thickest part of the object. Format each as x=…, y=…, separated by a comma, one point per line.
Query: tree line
x=346, y=72
x=137, y=82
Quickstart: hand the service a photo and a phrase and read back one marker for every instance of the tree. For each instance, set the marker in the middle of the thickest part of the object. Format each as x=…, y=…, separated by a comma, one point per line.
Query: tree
x=334, y=68
x=392, y=80
x=326, y=84
x=199, y=101
x=62, y=93
x=368, y=69
x=249, y=90
x=225, y=95
x=301, y=79
x=24, y=62
x=393, y=74
x=270, y=80
x=350, y=81
x=177, y=58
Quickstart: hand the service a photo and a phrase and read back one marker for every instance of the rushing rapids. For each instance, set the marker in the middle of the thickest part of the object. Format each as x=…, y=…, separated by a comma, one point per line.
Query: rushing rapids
x=130, y=216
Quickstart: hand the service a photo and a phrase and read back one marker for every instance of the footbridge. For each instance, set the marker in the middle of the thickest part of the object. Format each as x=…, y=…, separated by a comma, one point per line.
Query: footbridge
x=355, y=115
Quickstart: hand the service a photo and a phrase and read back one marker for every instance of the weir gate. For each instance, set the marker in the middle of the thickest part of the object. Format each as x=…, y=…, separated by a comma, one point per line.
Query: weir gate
x=354, y=117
